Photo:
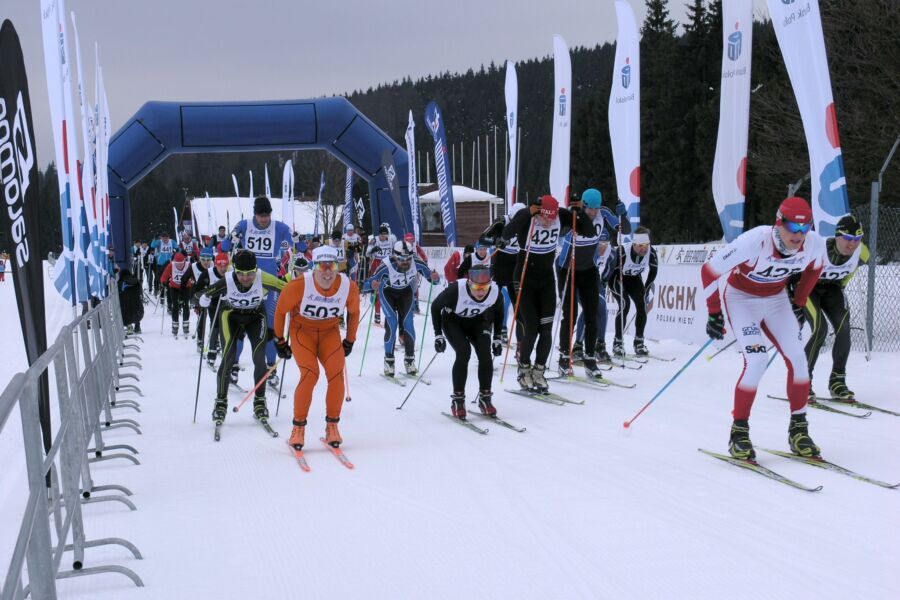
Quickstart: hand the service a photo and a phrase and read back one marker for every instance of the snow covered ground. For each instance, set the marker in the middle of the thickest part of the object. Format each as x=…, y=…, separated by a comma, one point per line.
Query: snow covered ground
x=576, y=507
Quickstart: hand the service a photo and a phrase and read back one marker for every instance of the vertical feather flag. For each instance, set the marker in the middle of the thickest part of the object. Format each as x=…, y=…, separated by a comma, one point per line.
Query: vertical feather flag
x=512, y=125
x=562, y=121
x=625, y=112
x=413, y=182
x=348, y=199
x=287, y=195
x=435, y=121
x=319, y=204
x=729, y=179
x=798, y=28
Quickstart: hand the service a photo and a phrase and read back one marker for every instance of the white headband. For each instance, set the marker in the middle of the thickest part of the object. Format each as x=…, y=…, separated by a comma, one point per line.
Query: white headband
x=641, y=238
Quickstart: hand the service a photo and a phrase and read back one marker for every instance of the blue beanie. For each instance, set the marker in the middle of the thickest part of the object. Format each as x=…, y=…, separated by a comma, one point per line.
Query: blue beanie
x=592, y=198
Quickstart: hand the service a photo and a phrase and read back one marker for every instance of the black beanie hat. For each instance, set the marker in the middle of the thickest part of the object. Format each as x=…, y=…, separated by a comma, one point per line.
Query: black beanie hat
x=244, y=260
x=262, y=206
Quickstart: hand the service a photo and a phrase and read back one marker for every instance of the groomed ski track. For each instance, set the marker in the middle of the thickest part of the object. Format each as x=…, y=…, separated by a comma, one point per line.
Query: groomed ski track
x=576, y=507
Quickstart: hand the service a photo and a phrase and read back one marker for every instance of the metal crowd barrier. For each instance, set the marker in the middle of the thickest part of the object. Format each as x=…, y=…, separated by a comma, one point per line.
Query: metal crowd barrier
x=83, y=367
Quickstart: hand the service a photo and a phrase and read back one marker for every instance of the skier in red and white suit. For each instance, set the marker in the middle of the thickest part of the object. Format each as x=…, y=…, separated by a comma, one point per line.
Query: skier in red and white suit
x=758, y=264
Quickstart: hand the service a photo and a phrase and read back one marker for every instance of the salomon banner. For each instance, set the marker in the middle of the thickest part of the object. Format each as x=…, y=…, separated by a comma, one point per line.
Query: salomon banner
x=390, y=174
x=435, y=122
x=512, y=124
x=729, y=180
x=798, y=27
x=625, y=112
x=413, y=179
x=18, y=169
x=287, y=195
x=561, y=142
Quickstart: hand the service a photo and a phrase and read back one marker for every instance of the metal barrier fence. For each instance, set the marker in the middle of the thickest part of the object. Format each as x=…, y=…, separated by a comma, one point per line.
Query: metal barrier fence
x=83, y=366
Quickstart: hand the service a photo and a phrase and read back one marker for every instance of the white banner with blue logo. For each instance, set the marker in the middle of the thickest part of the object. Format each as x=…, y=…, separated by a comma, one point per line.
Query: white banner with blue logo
x=562, y=121
x=512, y=125
x=435, y=122
x=348, y=199
x=287, y=195
x=413, y=179
x=319, y=204
x=625, y=112
x=798, y=27
x=729, y=180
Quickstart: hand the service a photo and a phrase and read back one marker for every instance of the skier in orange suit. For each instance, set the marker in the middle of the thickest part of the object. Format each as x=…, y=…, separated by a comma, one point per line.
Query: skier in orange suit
x=316, y=300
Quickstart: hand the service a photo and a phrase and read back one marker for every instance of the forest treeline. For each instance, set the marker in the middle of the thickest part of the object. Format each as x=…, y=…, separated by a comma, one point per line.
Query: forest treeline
x=680, y=73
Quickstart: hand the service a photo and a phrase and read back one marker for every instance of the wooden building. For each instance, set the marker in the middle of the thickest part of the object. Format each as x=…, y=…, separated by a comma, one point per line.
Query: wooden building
x=475, y=210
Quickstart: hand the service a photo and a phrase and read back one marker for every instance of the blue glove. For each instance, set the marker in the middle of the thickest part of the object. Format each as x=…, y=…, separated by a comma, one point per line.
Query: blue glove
x=620, y=209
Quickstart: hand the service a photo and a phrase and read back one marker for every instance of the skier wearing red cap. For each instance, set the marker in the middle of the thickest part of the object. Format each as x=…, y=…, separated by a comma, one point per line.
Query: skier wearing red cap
x=758, y=264
x=179, y=278
x=538, y=230
x=208, y=278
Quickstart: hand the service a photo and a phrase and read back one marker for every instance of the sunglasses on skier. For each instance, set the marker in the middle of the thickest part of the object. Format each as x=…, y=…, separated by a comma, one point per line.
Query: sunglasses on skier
x=325, y=266
x=480, y=287
x=851, y=238
x=796, y=227
x=243, y=272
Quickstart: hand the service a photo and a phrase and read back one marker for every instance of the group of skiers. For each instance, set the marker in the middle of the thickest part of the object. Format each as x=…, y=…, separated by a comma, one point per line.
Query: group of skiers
x=256, y=282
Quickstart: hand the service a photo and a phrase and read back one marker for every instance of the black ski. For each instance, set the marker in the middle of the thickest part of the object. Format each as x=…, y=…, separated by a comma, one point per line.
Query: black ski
x=498, y=421
x=217, y=434
x=548, y=398
x=826, y=408
x=830, y=466
x=857, y=404
x=752, y=465
x=265, y=425
x=466, y=423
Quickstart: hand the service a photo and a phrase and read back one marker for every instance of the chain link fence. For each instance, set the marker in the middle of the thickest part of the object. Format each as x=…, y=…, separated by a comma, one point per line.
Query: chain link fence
x=886, y=330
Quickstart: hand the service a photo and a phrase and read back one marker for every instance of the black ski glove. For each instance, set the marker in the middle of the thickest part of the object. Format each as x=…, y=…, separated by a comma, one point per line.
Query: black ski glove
x=800, y=314
x=440, y=344
x=497, y=347
x=282, y=348
x=348, y=347
x=715, y=326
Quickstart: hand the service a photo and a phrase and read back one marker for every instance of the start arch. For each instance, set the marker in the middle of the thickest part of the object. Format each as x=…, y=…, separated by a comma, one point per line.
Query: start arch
x=159, y=129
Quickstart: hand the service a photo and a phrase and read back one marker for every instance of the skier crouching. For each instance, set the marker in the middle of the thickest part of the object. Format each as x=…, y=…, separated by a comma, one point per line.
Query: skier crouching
x=464, y=313
x=316, y=301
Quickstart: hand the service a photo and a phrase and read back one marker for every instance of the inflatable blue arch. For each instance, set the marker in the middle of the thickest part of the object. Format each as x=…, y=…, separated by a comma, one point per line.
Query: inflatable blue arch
x=159, y=129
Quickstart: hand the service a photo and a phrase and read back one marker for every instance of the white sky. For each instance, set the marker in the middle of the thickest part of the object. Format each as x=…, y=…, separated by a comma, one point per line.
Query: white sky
x=205, y=50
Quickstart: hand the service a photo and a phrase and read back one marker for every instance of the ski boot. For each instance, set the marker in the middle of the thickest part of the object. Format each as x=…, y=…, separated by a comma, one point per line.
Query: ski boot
x=129, y=330
x=485, y=405
x=838, y=387
x=618, y=348
x=211, y=359
x=137, y=328
x=601, y=354
x=798, y=438
x=388, y=366
x=739, y=446
x=233, y=376
x=298, y=434
x=220, y=410
x=577, y=352
x=260, y=410
x=175, y=330
x=186, y=328
x=640, y=349
x=378, y=318
x=332, y=435
x=504, y=336
x=565, y=366
x=540, y=382
x=591, y=370
x=273, y=379
x=524, y=377
x=409, y=363
x=458, y=405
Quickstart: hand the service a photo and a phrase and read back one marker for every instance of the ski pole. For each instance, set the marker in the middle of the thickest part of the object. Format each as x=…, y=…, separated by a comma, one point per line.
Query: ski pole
x=200, y=365
x=518, y=298
x=287, y=329
x=572, y=292
x=262, y=380
x=425, y=324
x=347, y=396
x=721, y=350
x=421, y=374
x=366, y=345
x=628, y=423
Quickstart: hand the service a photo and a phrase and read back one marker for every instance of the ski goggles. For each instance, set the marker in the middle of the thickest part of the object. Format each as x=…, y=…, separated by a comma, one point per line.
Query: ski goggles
x=325, y=265
x=795, y=227
x=850, y=237
x=479, y=287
